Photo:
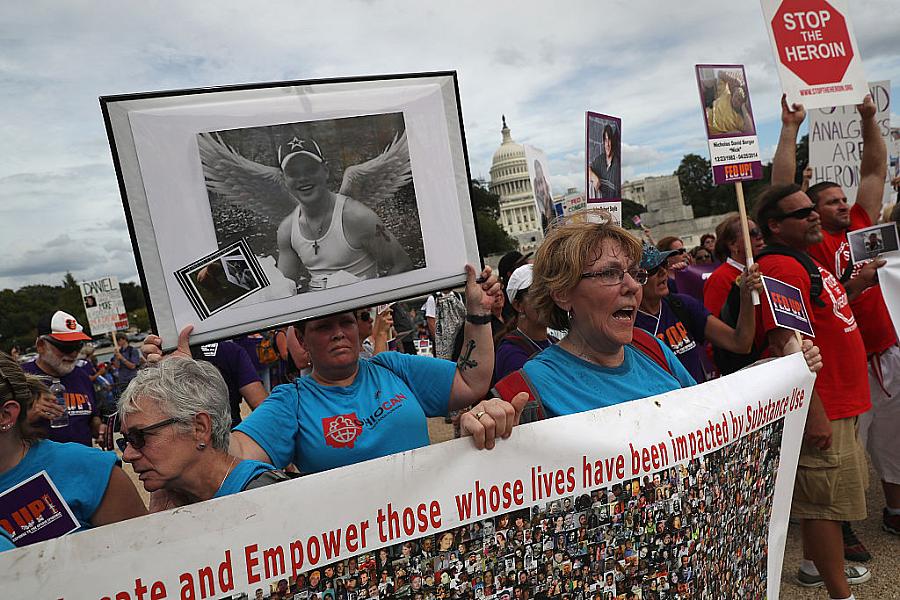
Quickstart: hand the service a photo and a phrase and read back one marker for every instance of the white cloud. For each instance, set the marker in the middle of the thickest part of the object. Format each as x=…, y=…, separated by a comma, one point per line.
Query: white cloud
x=541, y=65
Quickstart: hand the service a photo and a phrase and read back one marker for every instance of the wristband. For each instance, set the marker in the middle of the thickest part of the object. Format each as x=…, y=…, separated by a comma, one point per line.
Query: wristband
x=478, y=319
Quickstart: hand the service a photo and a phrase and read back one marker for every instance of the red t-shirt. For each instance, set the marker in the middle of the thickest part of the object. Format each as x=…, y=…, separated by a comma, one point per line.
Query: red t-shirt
x=843, y=382
x=717, y=287
x=871, y=312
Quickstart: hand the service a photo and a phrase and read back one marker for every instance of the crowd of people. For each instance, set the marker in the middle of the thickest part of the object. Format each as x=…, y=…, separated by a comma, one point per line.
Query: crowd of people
x=592, y=320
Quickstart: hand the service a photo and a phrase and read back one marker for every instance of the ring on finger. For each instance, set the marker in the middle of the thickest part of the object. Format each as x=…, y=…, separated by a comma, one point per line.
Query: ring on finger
x=479, y=414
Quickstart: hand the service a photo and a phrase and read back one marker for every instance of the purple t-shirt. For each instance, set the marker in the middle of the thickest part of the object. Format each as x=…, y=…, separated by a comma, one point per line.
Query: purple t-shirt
x=80, y=402
x=236, y=368
x=684, y=339
x=512, y=356
x=249, y=344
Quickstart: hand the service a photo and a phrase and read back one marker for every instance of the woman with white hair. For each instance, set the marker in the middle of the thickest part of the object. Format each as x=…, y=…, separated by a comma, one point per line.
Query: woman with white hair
x=176, y=422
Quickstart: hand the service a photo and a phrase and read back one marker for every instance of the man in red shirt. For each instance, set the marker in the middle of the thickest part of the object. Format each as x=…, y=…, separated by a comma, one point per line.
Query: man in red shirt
x=880, y=427
x=831, y=473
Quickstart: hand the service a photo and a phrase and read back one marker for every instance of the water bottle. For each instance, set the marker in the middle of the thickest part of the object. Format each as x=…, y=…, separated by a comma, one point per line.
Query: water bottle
x=59, y=392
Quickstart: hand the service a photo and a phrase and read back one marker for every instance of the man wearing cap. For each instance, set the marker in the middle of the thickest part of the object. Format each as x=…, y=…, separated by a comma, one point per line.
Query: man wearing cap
x=60, y=338
x=338, y=239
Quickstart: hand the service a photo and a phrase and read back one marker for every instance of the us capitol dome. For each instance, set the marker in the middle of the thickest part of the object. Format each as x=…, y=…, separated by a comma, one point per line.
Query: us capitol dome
x=510, y=180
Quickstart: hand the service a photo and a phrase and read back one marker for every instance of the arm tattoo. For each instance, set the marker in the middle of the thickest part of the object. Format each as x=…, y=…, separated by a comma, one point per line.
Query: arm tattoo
x=465, y=359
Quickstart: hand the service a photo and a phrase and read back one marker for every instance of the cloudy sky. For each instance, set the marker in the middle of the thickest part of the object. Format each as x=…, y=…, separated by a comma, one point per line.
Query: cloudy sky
x=541, y=65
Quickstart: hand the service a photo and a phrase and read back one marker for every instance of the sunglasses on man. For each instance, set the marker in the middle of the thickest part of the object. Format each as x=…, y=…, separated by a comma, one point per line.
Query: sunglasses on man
x=364, y=316
x=64, y=347
x=800, y=213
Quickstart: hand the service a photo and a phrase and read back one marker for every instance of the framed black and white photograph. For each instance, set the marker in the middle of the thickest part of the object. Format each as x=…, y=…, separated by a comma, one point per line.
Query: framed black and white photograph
x=341, y=193
x=868, y=243
x=221, y=279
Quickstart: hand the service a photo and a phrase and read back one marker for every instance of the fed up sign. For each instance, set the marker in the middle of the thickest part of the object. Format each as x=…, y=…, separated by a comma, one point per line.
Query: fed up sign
x=818, y=60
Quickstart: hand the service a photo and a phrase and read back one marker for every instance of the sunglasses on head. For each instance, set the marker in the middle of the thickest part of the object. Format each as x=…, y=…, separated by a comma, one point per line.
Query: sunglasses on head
x=800, y=213
x=64, y=347
x=136, y=437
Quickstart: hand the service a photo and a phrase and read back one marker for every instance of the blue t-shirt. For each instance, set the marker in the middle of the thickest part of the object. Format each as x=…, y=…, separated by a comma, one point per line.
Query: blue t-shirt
x=686, y=340
x=80, y=403
x=240, y=476
x=568, y=384
x=6, y=542
x=80, y=474
x=382, y=412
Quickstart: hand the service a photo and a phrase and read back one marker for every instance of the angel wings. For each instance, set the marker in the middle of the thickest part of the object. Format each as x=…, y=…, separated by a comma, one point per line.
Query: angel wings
x=262, y=189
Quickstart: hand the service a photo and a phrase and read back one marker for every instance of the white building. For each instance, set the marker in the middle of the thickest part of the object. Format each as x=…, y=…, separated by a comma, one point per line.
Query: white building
x=666, y=212
x=510, y=180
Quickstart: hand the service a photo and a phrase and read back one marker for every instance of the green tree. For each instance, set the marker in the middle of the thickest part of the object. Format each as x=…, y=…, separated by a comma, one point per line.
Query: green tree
x=492, y=239
x=696, y=181
x=631, y=209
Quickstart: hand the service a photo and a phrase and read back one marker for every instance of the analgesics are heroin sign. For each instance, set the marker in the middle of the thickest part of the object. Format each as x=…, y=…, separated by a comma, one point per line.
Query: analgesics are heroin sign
x=688, y=491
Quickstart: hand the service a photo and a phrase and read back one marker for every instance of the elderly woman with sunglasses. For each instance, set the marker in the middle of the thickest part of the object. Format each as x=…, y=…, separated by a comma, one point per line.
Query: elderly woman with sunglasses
x=88, y=479
x=684, y=324
x=175, y=420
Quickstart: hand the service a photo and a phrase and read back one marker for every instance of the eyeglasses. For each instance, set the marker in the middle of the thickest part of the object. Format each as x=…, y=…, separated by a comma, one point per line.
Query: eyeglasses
x=755, y=233
x=136, y=437
x=615, y=275
x=64, y=347
x=800, y=213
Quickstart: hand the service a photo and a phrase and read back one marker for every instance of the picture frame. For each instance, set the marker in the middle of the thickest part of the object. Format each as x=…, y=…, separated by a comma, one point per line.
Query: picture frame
x=347, y=192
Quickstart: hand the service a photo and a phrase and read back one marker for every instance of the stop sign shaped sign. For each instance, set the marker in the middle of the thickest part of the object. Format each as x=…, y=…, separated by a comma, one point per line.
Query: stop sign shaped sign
x=813, y=40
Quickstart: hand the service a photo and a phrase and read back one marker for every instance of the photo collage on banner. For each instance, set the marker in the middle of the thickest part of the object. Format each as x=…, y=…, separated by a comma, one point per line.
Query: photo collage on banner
x=603, y=171
x=539, y=175
x=695, y=530
x=835, y=139
x=728, y=117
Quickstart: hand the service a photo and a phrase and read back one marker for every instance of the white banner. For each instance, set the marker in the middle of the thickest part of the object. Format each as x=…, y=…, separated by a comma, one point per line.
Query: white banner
x=889, y=280
x=104, y=306
x=688, y=491
x=818, y=61
x=835, y=141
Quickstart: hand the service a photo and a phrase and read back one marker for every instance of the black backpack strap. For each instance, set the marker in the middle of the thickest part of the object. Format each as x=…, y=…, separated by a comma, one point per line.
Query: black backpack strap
x=680, y=310
x=816, y=284
x=269, y=477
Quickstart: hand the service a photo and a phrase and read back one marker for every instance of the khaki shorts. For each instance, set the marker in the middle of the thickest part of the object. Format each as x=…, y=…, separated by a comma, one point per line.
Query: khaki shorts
x=831, y=484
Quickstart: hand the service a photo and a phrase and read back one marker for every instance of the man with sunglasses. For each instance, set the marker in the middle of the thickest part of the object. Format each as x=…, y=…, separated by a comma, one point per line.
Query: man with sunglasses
x=880, y=427
x=60, y=339
x=832, y=471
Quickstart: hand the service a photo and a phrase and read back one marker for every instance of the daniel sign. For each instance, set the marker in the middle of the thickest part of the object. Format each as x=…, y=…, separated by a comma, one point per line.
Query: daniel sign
x=818, y=60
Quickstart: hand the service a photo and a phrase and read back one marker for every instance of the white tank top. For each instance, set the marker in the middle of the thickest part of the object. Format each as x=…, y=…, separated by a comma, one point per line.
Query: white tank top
x=331, y=252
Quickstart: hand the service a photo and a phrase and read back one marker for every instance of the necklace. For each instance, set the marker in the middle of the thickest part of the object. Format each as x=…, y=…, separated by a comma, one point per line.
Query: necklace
x=228, y=471
x=527, y=337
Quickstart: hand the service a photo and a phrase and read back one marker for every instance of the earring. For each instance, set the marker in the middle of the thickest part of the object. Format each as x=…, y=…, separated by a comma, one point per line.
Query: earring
x=201, y=446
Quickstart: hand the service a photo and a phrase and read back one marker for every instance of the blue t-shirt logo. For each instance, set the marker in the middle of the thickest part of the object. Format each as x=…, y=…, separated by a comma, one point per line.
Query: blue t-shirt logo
x=341, y=431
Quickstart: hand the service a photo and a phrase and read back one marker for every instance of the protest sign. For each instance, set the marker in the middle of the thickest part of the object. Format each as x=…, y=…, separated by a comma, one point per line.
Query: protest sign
x=104, y=305
x=689, y=490
x=889, y=280
x=868, y=243
x=787, y=306
x=539, y=175
x=603, y=155
x=818, y=60
x=34, y=511
x=690, y=280
x=728, y=116
x=835, y=141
